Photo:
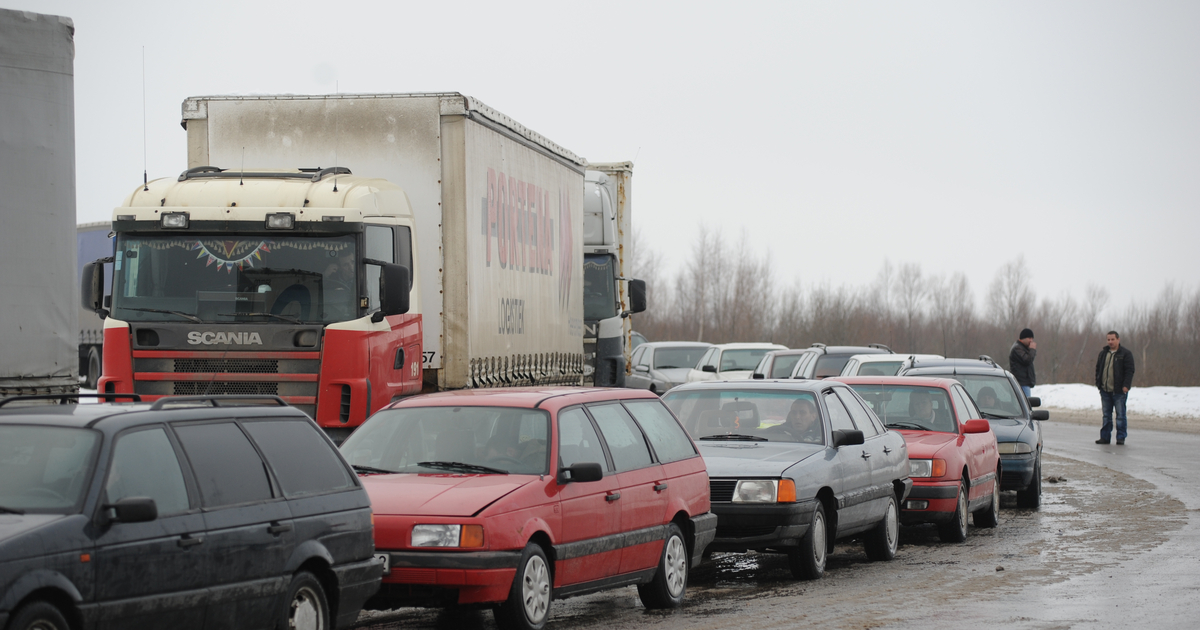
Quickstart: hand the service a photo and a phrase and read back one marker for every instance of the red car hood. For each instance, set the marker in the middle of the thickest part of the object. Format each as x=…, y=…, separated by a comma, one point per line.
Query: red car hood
x=438, y=495
x=926, y=444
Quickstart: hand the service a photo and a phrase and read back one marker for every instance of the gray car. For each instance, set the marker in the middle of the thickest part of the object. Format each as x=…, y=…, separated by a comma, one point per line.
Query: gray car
x=794, y=466
x=661, y=365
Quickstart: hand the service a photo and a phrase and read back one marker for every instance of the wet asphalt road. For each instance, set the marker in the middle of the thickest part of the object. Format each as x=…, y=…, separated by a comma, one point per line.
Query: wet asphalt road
x=1115, y=544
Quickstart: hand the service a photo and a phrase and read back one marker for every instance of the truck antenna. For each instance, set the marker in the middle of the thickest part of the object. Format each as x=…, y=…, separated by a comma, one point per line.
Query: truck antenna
x=242, y=175
x=145, y=167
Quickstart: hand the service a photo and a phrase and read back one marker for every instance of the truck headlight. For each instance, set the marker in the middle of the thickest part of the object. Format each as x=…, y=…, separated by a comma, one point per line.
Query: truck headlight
x=447, y=536
x=174, y=220
x=926, y=468
x=1008, y=448
x=281, y=221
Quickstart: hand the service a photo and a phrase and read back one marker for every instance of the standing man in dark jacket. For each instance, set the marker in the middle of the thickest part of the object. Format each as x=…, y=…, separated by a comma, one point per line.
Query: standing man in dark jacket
x=1020, y=361
x=1114, y=377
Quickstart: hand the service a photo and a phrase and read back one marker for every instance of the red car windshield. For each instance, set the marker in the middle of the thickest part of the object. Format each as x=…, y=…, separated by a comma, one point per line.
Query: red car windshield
x=483, y=440
x=907, y=407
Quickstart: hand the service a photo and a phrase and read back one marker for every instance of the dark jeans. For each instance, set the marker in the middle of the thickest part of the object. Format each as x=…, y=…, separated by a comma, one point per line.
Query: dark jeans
x=1109, y=401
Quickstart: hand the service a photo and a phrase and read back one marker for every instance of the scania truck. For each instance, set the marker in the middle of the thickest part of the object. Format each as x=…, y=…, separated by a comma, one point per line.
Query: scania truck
x=381, y=245
x=610, y=296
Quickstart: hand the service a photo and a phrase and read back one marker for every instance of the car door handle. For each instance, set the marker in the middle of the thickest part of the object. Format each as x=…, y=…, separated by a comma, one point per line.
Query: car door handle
x=659, y=487
x=887, y=450
x=612, y=496
x=279, y=528
x=187, y=540
x=866, y=455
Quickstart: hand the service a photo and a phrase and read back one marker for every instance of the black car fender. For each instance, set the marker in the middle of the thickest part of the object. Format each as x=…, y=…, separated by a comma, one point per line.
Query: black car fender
x=306, y=551
x=38, y=580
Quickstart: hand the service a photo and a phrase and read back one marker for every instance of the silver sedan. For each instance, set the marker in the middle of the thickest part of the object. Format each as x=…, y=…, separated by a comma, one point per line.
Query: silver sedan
x=660, y=365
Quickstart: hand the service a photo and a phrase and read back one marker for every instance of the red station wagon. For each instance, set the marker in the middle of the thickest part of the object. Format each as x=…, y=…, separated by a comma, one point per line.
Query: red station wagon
x=514, y=497
x=952, y=452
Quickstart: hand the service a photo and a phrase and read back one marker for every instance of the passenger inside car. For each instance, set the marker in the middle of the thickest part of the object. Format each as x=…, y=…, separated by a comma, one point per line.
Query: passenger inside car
x=803, y=423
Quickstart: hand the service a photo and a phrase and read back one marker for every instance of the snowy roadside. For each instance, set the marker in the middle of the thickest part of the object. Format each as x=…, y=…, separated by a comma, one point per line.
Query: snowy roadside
x=1158, y=408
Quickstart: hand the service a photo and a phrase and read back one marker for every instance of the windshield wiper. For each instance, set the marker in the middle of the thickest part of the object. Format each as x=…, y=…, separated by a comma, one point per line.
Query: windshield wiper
x=666, y=367
x=735, y=436
x=995, y=416
x=462, y=466
x=906, y=425
x=371, y=470
x=159, y=310
x=8, y=510
x=285, y=318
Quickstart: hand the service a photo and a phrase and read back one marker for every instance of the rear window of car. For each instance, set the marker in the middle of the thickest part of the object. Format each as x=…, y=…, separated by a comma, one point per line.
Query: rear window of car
x=304, y=463
x=830, y=365
x=669, y=440
x=741, y=359
x=228, y=469
x=625, y=441
x=784, y=364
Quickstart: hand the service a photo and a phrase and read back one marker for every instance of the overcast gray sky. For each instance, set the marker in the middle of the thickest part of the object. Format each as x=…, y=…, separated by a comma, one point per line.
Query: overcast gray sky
x=836, y=134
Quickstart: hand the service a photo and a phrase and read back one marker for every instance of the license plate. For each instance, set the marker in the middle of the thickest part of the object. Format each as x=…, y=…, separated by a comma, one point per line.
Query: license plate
x=386, y=559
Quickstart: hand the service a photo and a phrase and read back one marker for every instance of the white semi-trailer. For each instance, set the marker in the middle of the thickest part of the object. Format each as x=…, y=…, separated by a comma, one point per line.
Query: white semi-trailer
x=37, y=205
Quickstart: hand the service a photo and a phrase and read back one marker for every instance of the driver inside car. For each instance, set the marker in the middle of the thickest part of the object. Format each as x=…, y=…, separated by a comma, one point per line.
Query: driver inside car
x=803, y=422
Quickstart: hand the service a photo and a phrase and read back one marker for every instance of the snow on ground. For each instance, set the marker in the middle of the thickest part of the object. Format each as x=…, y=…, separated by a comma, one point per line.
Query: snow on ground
x=1179, y=402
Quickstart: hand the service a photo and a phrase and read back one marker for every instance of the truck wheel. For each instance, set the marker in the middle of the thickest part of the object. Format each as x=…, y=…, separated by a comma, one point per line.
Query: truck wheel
x=38, y=615
x=881, y=543
x=956, y=529
x=669, y=585
x=808, y=561
x=1031, y=497
x=528, y=603
x=305, y=607
x=93, y=367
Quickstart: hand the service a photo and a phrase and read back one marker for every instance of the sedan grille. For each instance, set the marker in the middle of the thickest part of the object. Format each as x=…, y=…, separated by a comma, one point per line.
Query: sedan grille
x=721, y=490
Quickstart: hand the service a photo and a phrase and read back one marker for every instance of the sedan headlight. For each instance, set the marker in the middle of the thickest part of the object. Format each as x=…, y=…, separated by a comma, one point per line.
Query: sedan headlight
x=927, y=468
x=1009, y=448
x=765, y=491
x=447, y=536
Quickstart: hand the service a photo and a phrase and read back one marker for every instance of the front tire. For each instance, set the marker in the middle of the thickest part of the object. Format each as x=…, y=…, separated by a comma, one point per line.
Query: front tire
x=808, y=562
x=528, y=603
x=1031, y=497
x=990, y=516
x=881, y=543
x=956, y=529
x=669, y=585
x=38, y=615
x=306, y=607
x=94, y=367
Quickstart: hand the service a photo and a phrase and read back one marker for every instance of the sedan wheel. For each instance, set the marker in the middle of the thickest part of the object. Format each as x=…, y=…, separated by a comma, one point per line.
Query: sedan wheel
x=956, y=529
x=881, y=543
x=1031, y=497
x=990, y=516
x=808, y=561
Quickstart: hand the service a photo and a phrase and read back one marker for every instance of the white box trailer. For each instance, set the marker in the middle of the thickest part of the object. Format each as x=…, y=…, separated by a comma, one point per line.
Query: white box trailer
x=38, y=286
x=498, y=213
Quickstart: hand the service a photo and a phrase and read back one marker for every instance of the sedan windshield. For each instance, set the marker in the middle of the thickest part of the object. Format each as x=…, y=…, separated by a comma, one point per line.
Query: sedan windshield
x=668, y=358
x=905, y=407
x=220, y=279
x=464, y=440
x=994, y=395
x=766, y=415
x=45, y=469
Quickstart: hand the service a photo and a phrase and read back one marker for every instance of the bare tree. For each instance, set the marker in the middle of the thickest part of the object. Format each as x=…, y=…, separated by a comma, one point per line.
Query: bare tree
x=911, y=291
x=1010, y=297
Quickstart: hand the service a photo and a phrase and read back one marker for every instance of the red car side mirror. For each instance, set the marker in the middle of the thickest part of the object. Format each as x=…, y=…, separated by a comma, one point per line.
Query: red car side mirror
x=976, y=426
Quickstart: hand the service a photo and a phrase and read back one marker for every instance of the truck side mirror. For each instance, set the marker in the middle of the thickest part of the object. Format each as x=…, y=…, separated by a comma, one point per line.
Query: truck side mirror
x=91, y=288
x=394, y=286
x=637, y=296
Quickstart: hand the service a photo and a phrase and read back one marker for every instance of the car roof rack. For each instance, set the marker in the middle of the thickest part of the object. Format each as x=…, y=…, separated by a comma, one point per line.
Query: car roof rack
x=213, y=172
x=216, y=401
x=817, y=345
x=987, y=359
x=879, y=346
x=62, y=398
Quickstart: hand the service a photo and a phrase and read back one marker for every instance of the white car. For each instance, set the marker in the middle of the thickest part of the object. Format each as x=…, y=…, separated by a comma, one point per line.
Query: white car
x=882, y=364
x=730, y=361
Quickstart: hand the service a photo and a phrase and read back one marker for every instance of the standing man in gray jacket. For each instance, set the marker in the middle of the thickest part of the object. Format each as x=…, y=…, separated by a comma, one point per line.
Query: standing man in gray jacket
x=1020, y=361
x=1114, y=377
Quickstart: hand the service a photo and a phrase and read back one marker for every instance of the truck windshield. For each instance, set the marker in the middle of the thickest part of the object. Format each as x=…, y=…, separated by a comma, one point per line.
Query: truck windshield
x=214, y=279
x=599, y=281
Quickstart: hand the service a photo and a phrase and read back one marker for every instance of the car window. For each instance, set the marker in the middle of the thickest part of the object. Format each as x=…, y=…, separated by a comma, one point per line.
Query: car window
x=625, y=441
x=829, y=365
x=802, y=368
x=839, y=419
x=965, y=409
x=144, y=464
x=742, y=359
x=879, y=368
x=851, y=368
x=669, y=440
x=862, y=419
x=45, y=469
x=228, y=469
x=667, y=358
x=577, y=440
x=994, y=395
x=638, y=355
x=303, y=461
x=784, y=365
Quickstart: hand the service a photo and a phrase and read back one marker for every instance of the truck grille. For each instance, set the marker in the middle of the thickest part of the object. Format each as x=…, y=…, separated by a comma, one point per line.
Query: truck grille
x=218, y=387
x=231, y=366
x=293, y=376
